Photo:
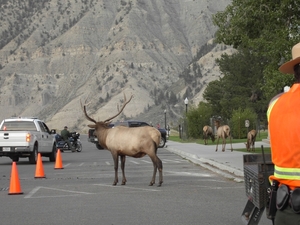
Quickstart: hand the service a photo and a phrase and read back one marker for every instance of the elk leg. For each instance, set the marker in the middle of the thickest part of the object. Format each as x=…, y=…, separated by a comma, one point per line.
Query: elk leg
x=230, y=142
x=116, y=162
x=123, y=158
x=157, y=164
x=223, y=144
x=160, y=168
x=217, y=143
x=154, y=173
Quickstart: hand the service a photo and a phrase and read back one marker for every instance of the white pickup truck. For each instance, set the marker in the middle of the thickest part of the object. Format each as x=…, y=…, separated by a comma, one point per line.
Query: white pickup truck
x=26, y=137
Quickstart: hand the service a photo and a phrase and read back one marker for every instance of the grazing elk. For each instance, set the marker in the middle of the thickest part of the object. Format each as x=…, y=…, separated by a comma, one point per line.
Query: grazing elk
x=251, y=136
x=223, y=132
x=124, y=141
x=208, y=133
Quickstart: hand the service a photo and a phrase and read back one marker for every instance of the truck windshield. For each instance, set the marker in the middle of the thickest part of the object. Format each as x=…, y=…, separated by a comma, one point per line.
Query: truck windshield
x=18, y=125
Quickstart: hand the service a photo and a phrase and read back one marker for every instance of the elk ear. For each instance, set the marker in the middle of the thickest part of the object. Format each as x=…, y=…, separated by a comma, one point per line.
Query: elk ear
x=92, y=125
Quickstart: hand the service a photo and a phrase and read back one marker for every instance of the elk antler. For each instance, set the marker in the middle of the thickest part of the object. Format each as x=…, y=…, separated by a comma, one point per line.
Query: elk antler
x=85, y=113
x=126, y=102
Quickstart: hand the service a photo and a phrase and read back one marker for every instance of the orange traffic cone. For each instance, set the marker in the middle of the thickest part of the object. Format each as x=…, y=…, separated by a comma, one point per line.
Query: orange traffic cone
x=14, y=187
x=58, y=161
x=39, y=170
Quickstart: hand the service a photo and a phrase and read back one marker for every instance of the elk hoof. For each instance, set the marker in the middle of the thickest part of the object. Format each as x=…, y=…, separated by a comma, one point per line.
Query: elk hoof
x=114, y=183
x=123, y=183
x=223, y=150
x=151, y=183
x=216, y=150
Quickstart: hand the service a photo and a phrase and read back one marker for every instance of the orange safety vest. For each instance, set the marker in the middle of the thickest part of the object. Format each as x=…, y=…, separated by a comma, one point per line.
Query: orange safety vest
x=284, y=128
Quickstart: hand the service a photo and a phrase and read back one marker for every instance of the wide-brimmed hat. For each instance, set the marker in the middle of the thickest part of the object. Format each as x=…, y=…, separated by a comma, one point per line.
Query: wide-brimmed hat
x=66, y=127
x=288, y=67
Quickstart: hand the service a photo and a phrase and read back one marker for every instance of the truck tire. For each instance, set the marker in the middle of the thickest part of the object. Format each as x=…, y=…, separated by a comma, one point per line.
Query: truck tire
x=33, y=155
x=162, y=142
x=99, y=146
x=52, y=156
x=15, y=158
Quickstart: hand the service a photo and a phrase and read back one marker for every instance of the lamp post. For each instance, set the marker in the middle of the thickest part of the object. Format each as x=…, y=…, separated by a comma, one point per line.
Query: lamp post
x=165, y=112
x=186, y=102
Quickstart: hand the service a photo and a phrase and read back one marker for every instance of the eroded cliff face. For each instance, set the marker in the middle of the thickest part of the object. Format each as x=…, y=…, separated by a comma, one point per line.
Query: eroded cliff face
x=55, y=53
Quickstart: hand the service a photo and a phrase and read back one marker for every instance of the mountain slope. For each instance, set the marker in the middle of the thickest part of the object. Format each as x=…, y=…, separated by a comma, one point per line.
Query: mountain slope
x=55, y=53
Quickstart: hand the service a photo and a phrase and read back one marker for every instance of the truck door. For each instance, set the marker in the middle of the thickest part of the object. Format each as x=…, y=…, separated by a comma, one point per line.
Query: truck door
x=46, y=143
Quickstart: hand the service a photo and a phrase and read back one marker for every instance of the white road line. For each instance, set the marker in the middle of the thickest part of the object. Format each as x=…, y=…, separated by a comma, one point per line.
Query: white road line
x=190, y=174
x=35, y=190
x=218, y=188
x=165, y=161
x=32, y=192
x=124, y=187
x=168, y=160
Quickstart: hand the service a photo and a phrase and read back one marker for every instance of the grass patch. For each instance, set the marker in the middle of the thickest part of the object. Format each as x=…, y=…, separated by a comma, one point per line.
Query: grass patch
x=267, y=150
x=260, y=136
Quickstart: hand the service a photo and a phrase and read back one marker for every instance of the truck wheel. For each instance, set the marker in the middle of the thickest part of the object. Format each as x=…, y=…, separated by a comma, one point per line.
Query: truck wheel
x=33, y=155
x=99, y=146
x=52, y=156
x=162, y=142
x=15, y=158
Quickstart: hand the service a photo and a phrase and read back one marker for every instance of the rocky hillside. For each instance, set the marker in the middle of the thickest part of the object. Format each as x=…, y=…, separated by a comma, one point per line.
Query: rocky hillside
x=54, y=54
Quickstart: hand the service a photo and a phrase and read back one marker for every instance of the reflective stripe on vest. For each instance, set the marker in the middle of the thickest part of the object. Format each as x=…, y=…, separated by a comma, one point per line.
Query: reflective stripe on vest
x=271, y=107
x=287, y=173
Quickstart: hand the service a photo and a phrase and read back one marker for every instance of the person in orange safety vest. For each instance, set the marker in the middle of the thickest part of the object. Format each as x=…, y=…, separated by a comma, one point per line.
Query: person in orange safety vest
x=284, y=129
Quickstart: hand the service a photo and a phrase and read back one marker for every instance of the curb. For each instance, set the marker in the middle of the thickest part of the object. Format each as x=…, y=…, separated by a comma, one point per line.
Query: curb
x=224, y=170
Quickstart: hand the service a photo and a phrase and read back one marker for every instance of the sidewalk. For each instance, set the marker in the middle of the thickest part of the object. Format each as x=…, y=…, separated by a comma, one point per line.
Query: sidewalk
x=228, y=164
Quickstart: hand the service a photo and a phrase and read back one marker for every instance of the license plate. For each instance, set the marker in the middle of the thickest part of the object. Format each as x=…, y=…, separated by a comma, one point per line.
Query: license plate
x=6, y=149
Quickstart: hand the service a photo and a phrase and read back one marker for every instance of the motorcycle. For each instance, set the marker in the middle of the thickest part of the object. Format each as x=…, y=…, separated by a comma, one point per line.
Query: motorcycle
x=74, y=140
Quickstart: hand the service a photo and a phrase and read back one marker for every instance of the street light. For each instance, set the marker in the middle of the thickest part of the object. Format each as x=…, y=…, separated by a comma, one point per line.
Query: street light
x=186, y=102
x=165, y=112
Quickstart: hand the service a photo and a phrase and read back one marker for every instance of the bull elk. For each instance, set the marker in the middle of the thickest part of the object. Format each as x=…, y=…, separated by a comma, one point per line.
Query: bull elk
x=251, y=136
x=223, y=132
x=208, y=133
x=124, y=141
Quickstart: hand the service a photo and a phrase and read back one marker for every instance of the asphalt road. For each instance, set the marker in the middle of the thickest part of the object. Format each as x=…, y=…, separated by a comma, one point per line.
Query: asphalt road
x=82, y=193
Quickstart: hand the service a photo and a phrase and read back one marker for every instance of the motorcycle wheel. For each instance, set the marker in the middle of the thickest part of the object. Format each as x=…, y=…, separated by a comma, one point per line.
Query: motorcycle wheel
x=79, y=147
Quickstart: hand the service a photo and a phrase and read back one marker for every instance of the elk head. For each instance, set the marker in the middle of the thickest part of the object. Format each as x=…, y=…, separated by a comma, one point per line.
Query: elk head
x=106, y=122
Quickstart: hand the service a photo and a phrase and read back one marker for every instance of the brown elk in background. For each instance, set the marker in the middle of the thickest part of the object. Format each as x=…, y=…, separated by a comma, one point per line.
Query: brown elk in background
x=223, y=132
x=251, y=136
x=208, y=133
x=124, y=141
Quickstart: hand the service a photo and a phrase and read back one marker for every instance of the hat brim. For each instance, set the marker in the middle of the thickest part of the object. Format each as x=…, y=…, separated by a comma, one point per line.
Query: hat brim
x=288, y=67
